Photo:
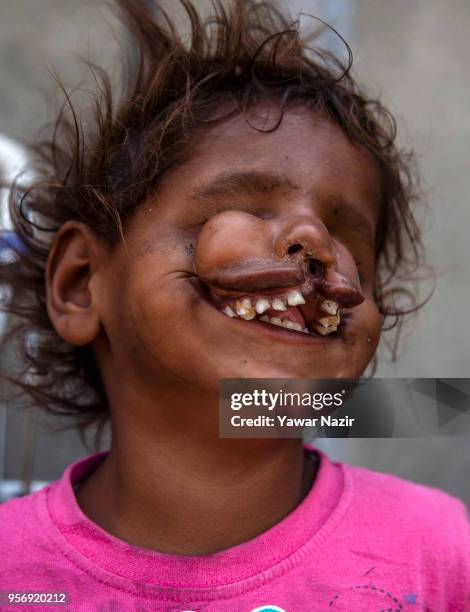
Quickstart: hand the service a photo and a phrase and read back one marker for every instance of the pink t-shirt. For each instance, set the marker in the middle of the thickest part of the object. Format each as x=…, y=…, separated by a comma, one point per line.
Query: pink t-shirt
x=360, y=541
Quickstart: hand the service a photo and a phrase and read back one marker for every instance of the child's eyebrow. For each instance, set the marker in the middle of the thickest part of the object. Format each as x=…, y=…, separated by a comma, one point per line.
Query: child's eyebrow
x=237, y=184
x=229, y=184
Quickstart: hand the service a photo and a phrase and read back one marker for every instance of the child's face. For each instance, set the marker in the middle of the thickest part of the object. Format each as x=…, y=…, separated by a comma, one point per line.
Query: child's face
x=250, y=214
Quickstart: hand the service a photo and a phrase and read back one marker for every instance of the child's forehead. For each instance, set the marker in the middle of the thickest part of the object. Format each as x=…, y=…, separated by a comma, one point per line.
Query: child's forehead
x=304, y=156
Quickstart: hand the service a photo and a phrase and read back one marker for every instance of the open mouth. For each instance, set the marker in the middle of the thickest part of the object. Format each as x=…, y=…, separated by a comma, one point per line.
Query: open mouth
x=291, y=309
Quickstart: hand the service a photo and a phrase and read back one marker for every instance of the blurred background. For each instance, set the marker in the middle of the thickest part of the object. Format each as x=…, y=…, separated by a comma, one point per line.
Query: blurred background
x=414, y=56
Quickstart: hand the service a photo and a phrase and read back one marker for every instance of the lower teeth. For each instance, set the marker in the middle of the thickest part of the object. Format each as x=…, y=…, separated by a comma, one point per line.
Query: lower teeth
x=324, y=331
x=284, y=323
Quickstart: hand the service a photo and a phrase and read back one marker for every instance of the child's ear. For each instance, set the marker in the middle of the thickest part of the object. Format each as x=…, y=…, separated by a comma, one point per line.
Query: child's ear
x=71, y=287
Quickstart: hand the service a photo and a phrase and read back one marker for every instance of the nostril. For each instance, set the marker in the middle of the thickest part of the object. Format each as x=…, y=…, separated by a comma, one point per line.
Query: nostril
x=316, y=268
x=294, y=248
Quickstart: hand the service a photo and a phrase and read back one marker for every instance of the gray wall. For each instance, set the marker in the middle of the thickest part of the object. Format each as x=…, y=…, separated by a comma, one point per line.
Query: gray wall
x=413, y=54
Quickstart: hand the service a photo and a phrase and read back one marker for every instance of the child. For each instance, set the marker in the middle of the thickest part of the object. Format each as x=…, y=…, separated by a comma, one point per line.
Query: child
x=238, y=212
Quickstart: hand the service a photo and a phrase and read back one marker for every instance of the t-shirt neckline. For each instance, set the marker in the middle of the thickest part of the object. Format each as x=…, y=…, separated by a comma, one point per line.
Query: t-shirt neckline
x=308, y=523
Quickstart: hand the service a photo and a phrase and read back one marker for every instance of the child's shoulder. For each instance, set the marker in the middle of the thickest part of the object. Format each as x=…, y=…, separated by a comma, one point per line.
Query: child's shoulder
x=33, y=549
x=21, y=516
x=414, y=511
x=28, y=540
x=406, y=493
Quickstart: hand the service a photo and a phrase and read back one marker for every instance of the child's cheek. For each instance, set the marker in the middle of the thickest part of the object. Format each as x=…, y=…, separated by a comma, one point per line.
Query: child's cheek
x=371, y=327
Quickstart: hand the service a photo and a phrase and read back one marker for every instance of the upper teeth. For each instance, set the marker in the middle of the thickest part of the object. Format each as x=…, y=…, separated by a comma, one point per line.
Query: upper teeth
x=294, y=298
x=279, y=304
x=329, y=306
x=247, y=310
x=262, y=305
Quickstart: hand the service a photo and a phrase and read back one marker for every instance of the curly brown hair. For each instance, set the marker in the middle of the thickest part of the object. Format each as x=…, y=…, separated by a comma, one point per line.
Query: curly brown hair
x=98, y=167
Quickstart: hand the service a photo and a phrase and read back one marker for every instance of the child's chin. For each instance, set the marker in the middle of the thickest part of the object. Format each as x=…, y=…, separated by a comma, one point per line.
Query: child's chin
x=320, y=372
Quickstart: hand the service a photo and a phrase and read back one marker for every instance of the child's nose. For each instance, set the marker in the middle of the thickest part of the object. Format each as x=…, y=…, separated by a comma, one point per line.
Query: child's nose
x=306, y=240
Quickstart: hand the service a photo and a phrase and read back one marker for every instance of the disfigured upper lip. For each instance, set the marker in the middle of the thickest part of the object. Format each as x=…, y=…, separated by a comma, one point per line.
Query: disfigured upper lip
x=283, y=293
x=256, y=277
x=284, y=308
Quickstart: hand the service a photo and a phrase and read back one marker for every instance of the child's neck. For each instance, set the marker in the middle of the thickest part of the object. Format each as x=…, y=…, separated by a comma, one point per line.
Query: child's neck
x=175, y=493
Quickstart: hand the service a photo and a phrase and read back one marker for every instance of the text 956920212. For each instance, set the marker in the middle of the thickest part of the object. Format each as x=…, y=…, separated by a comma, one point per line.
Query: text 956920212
x=36, y=598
